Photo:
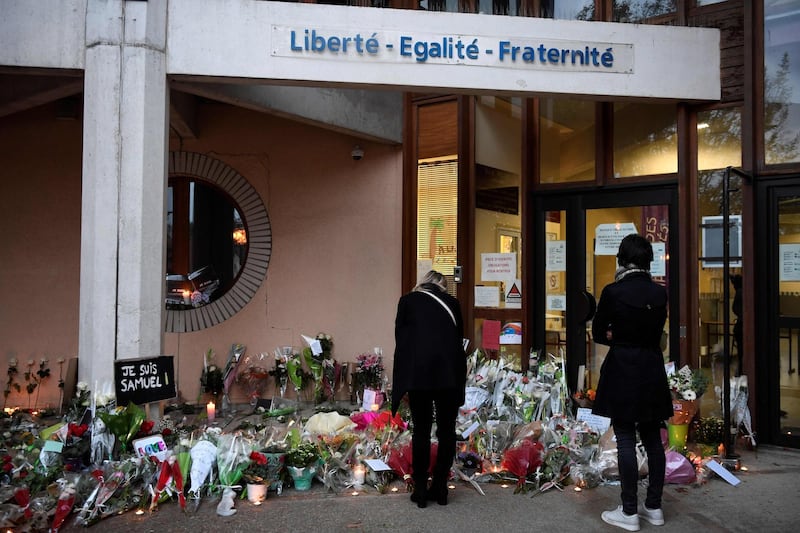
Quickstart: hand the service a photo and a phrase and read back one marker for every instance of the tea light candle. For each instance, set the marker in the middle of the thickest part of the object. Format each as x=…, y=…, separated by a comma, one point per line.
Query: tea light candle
x=375, y=407
x=211, y=411
x=358, y=474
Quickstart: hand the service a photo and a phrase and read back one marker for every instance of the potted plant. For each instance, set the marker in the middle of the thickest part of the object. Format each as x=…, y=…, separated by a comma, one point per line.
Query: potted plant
x=302, y=463
x=256, y=475
x=276, y=461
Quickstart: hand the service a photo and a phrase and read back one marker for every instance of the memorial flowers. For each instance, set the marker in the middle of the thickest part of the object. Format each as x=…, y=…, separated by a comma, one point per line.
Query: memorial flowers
x=369, y=372
x=687, y=384
x=211, y=379
x=257, y=472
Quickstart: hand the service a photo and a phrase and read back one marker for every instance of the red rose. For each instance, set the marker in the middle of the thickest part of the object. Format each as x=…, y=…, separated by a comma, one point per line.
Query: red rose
x=258, y=458
x=77, y=430
x=7, y=458
x=7, y=467
x=147, y=426
x=166, y=432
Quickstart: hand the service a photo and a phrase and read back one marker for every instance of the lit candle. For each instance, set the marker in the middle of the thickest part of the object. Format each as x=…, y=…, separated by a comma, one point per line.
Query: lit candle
x=375, y=407
x=358, y=475
x=211, y=411
x=187, y=297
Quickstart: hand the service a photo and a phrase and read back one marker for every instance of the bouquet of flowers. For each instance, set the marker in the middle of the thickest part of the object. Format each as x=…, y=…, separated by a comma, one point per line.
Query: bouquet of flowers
x=279, y=372
x=211, y=380
x=257, y=472
x=584, y=398
x=369, y=372
x=687, y=384
x=233, y=456
x=686, y=387
x=254, y=377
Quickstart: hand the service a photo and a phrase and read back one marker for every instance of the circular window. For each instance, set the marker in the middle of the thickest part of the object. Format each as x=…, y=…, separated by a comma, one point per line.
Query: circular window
x=211, y=286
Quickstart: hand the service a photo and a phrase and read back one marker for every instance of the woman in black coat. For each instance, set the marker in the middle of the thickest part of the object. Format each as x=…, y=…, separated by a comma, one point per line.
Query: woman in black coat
x=633, y=389
x=431, y=366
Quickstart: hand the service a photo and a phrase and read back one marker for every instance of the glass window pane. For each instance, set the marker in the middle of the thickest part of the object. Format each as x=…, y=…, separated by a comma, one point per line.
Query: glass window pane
x=567, y=129
x=556, y=282
x=636, y=11
x=437, y=188
x=498, y=225
x=781, y=81
x=645, y=139
x=567, y=9
x=719, y=138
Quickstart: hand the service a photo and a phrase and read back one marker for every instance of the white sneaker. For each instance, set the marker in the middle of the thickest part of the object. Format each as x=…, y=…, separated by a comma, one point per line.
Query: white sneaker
x=620, y=519
x=654, y=516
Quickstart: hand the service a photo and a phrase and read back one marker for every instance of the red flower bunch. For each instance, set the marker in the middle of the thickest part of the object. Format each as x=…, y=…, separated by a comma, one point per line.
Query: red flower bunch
x=7, y=465
x=76, y=430
x=258, y=470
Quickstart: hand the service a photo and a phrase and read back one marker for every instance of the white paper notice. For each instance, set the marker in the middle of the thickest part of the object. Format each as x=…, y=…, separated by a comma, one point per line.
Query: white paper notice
x=556, y=256
x=659, y=265
x=608, y=236
x=556, y=302
x=314, y=344
x=487, y=296
x=376, y=465
x=498, y=267
x=790, y=262
x=596, y=422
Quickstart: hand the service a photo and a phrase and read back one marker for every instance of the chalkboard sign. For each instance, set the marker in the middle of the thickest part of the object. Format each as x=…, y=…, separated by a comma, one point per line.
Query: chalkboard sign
x=144, y=380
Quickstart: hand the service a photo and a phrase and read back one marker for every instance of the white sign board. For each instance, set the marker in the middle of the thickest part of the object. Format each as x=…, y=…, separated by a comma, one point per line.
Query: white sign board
x=608, y=236
x=556, y=256
x=790, y=262
x=487, y=296
x=498, y=267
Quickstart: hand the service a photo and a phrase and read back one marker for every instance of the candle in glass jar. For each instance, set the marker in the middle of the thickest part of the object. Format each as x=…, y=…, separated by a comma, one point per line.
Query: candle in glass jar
x=187, y=298
x=358, y=474
x=211, y=411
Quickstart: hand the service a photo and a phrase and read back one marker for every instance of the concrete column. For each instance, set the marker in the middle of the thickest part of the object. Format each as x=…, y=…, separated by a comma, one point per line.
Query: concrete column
x=124, y=186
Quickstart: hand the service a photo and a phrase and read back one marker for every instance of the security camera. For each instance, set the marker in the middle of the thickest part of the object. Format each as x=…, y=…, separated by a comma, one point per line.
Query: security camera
x=357, y=153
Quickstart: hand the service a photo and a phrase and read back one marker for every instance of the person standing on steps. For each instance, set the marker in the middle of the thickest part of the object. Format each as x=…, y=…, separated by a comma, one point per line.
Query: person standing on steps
x=431, y=367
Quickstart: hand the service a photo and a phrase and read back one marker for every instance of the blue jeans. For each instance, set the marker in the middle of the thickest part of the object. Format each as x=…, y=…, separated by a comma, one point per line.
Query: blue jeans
x=650, y=433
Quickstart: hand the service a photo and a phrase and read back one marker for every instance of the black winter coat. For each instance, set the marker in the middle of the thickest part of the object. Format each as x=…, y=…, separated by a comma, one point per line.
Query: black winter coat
x=429, y=354
x=633, y=383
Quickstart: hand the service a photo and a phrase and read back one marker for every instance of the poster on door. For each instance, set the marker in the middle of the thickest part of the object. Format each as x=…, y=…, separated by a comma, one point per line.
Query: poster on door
x=556, y=256
x=790, y=262
x=608, y=236
x=498, y=267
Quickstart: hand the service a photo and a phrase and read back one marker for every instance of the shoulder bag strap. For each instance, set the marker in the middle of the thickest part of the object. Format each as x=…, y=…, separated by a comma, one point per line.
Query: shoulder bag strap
x=449, y=312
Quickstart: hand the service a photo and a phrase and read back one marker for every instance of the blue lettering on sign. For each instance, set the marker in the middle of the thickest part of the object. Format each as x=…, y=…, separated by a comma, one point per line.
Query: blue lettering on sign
x=449, y=48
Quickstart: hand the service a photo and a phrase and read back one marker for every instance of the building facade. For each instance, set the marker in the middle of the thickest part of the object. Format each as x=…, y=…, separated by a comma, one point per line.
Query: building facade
x=275, y=169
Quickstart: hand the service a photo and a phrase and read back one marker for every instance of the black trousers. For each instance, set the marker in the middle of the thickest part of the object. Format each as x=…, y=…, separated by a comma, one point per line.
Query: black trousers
x=422, y=405
x=650, y=433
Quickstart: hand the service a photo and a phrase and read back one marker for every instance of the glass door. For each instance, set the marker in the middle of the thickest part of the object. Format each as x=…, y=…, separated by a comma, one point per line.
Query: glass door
x=784, y=368
x=579, y=237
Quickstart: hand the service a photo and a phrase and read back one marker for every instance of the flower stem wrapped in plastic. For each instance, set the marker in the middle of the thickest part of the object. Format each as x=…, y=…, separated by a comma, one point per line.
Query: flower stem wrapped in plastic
x=124, y=424
x=233, y=456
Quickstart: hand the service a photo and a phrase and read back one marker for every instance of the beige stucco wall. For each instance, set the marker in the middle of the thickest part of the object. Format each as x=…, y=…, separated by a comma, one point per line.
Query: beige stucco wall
x=336, y=228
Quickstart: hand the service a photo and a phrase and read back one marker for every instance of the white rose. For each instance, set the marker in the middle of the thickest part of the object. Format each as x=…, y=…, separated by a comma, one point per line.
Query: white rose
x=12, y=362
x=82, y=386
x=30, y=362
x=689, y=395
